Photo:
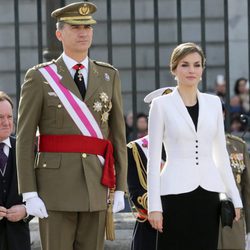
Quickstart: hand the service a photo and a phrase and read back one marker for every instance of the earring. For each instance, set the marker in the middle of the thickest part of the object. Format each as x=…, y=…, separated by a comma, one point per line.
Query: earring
x=200, y=78
x=175, y=78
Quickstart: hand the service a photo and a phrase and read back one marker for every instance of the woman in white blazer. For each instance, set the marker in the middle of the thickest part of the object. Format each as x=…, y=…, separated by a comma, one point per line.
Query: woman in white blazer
x=183, y=199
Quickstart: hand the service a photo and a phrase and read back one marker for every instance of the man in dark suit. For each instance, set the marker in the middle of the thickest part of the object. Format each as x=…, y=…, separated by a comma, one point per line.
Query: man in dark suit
x=14, y=229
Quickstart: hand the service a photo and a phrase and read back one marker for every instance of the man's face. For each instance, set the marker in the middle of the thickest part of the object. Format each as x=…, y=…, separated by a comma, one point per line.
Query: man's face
x=6, y=120
x=75, y=38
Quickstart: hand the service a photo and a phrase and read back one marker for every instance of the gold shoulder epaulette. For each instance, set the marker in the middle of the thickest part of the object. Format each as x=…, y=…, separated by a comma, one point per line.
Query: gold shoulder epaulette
x=130, y=144
x=141, y=169
x=236, y=138
x=104, y=64
x=40, y=65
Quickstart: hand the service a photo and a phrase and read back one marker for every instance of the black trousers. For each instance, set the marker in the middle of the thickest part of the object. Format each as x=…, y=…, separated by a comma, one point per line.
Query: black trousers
x=144, y=237
x=190, y=221
x=3, y=240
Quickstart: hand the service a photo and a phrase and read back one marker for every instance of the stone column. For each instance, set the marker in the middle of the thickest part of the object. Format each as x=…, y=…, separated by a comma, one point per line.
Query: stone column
x=54, y=48
x=238, y=41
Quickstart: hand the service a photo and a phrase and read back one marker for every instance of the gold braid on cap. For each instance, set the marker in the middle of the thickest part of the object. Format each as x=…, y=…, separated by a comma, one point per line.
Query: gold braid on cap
x=74, y=17
x=167, y=91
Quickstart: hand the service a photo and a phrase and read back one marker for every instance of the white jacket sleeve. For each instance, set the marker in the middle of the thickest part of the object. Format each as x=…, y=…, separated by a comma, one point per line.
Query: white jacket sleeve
x=155, y=133
x=222, y=162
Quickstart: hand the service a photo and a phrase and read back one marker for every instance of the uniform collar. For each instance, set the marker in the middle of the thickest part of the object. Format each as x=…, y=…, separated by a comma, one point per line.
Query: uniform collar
x=71, y=62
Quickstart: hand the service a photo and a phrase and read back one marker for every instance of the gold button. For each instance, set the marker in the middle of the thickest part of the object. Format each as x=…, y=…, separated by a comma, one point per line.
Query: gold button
x=84, y=155
x=59, y=106
x=44, y=165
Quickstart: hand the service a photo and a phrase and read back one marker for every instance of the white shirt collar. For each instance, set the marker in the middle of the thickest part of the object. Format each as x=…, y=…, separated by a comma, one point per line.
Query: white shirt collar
x=7, y=142
x=71, y=62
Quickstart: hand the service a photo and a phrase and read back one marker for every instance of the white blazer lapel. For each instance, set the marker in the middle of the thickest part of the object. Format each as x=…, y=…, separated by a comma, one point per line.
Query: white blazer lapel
x=182, y=109
x=202, y=109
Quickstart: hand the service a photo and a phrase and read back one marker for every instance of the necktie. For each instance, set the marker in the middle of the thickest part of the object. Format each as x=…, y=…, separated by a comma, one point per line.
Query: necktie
x=79, y=80
x=3, y=158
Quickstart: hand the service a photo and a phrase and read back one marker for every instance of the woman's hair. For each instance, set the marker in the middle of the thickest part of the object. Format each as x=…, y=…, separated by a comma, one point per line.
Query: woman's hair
x=183, y=50
x=237, y=84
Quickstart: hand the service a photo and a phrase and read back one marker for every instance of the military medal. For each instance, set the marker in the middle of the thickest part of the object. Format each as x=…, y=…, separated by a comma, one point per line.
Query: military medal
x=79, y=76
x=238, y=178
x=104, y=97
x=241, y=162
x=97, y=106
x=103, y=105
x=105, y=117
x=106, y=77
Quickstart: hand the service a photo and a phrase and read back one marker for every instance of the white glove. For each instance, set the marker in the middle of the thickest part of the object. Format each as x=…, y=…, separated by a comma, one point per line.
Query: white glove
x=36, y=207
x=119, y=203
x=248, y=241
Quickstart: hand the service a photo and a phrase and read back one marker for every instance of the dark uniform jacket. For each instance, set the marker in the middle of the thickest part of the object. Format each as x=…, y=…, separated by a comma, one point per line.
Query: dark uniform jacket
x=69, y=181
x=239, y=158
x=15, y=235
x=144, y=236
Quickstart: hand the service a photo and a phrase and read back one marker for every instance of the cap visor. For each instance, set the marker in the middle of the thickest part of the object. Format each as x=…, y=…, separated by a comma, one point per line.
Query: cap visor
x=80, y=22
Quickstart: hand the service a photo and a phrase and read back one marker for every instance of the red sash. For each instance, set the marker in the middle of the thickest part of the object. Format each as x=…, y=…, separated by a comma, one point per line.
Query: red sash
x=82, y=144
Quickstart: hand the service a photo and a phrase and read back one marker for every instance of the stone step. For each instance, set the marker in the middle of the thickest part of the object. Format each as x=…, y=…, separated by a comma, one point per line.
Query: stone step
x=124, y=224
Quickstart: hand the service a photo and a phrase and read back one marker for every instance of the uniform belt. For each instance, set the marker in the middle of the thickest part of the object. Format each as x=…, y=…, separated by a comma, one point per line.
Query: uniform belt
x=142, y=214
x=82, y=144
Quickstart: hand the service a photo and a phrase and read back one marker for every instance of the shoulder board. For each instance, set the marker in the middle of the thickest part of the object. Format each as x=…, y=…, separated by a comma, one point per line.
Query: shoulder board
x=235, y=138
x=41, y=65
x=104, y=64
x=131, y=144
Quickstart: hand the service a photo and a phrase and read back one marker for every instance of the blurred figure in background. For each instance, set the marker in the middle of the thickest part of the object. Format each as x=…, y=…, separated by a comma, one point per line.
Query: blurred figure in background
x=236, y=123
x=129, y=124
x=241, y=89
x=141, y=127
x=220, y=87
x=236, y=105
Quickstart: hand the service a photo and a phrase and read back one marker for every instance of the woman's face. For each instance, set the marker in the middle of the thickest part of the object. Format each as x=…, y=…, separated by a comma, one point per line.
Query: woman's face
x=189, y=70
x=242, y=87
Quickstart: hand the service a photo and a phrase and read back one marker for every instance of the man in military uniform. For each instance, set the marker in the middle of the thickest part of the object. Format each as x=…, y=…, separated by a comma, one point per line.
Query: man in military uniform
x=144, y=236
x=234, y=238
x=76, y=105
